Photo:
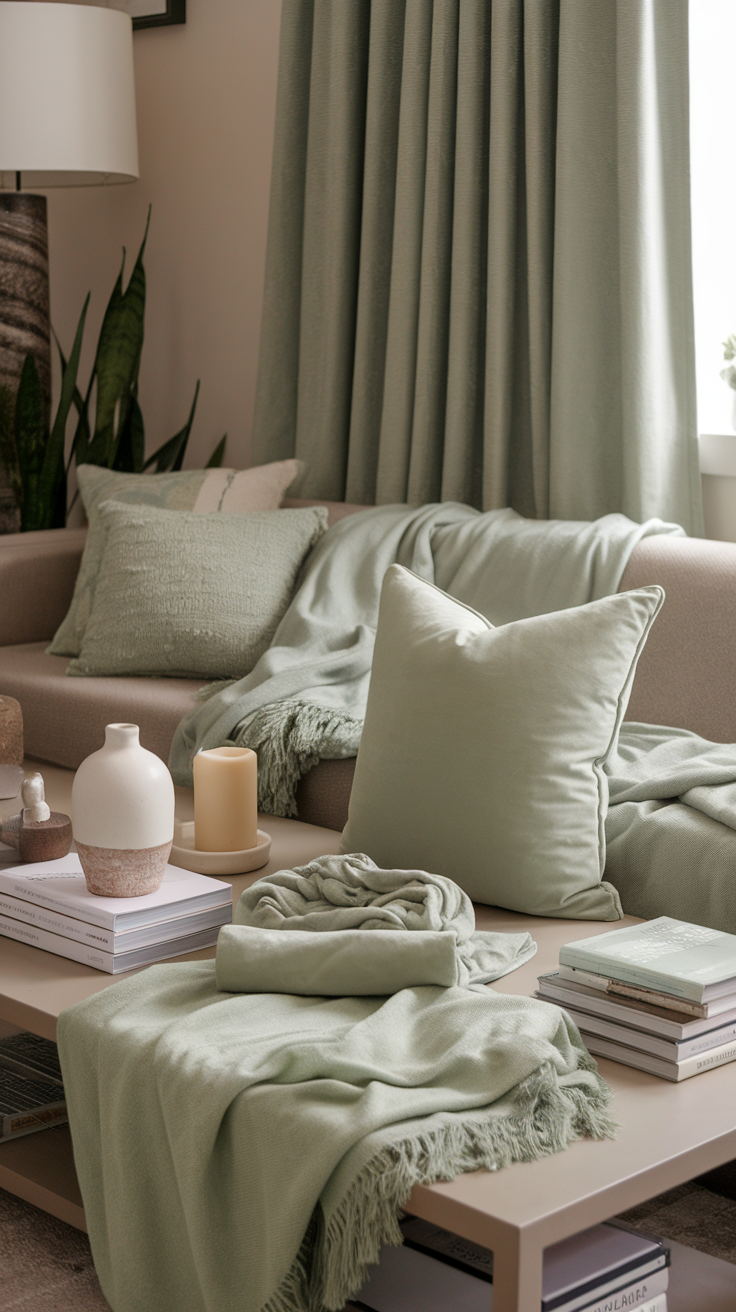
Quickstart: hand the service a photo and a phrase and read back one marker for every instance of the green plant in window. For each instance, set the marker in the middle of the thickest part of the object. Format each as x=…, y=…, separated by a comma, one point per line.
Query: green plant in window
x=33, y=450
x=729, y=353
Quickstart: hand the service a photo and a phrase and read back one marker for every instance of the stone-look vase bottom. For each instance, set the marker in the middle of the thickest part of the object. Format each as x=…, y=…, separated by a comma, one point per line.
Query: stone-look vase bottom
x=123, y=872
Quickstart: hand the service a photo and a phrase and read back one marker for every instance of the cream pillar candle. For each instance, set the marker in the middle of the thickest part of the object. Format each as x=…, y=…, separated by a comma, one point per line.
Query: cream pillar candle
x=225, y=799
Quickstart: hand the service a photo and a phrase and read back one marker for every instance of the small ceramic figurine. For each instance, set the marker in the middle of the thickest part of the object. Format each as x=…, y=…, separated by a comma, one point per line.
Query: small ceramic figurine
x=38, y=833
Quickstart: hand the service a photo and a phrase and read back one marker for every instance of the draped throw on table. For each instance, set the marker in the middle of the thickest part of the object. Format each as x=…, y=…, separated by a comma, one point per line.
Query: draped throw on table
x=247, y=1151
x=478, y=281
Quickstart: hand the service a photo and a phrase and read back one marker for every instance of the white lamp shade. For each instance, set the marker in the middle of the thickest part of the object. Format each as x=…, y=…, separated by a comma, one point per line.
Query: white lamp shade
x=67, y=95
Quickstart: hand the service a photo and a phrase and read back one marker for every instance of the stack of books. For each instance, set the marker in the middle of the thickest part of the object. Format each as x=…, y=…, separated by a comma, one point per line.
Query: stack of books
x=48, y=906
x=660, y=996
x=31, y=1089
x=607, y=1267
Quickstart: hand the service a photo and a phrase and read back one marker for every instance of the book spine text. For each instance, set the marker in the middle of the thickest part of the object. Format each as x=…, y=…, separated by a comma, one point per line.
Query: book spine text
x=63, y=947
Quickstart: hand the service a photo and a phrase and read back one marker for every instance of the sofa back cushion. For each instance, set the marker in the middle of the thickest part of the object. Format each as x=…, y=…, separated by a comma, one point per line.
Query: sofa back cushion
x=201, y=491
x=188, y=595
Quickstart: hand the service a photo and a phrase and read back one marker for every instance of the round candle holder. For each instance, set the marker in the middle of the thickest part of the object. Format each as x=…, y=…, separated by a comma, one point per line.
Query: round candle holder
x=188, y=857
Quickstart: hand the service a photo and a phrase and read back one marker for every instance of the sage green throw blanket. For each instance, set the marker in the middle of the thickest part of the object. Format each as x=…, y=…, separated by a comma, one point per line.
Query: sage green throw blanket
x=422, y=931
x=306, y=697
x=248, y=1151
x=671, y=825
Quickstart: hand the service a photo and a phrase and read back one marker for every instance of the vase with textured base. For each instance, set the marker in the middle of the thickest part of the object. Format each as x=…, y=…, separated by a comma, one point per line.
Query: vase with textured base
x=123, y=816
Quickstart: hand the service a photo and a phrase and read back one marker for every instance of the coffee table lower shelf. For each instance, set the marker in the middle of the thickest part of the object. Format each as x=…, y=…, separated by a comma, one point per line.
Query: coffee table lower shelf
x=40, y=1169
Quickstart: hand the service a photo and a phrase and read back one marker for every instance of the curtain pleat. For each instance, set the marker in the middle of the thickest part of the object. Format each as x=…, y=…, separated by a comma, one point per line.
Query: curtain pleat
x=394, y=443
x=478, y=279
x=462, y=463
x=383, y=101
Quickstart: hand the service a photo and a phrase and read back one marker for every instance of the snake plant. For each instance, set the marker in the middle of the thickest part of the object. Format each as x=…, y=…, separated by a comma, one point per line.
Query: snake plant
x=34, y=450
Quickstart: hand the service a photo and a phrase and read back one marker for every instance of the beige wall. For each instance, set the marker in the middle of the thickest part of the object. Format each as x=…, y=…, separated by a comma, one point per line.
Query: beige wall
x=206, y=96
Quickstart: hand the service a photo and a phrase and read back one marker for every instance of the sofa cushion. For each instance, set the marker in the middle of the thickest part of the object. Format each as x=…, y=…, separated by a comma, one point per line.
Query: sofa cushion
x=64, y=719
x=193, y=596
x=483, y=748
x=198, y=490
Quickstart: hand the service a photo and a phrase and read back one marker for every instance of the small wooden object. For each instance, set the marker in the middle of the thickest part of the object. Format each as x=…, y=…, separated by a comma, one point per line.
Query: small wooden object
x=11, y=732
x=11, y=746
x=38, y=833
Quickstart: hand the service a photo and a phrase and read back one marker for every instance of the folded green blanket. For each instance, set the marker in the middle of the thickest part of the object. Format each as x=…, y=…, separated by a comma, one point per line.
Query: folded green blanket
x=305, y=699
x=422, y=931
x=337, y=964
x=248, y=1152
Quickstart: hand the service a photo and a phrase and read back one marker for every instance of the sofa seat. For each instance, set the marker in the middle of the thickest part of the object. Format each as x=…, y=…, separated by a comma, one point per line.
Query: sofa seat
x=64, y=721
x=64, y=718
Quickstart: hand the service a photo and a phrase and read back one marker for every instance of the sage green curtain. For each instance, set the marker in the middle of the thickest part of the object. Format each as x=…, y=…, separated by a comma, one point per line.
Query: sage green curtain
x=478, y=281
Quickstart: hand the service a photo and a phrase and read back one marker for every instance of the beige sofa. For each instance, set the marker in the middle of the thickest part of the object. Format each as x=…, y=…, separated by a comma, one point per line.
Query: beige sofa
x=686, y=676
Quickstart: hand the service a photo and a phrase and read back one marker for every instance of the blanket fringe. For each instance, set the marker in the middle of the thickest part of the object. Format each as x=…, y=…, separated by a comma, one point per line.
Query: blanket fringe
x=290, y=737
x=548, y=1118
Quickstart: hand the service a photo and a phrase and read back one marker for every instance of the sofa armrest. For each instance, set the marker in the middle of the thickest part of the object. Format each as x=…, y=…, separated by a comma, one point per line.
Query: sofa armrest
x=686, y=676
x=37, y=576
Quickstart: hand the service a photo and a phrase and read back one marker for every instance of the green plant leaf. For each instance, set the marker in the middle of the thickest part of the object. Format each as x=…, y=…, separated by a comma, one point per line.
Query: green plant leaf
x=9, y=464
x=215, y=460
x=31, y=436
x=78, y=399
x=118, y=358
x=132, y=441
x=171, y=454
x=52, y=478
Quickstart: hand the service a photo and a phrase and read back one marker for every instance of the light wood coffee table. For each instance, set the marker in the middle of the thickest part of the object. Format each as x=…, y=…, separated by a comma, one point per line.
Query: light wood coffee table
x=669, y=1133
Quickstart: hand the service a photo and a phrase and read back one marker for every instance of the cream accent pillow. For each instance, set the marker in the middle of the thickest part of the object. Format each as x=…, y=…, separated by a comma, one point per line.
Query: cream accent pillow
x=196, y=596
x=483, y=748
x=198, y=490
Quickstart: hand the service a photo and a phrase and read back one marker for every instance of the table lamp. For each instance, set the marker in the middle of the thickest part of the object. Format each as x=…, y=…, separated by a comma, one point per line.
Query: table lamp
x=67, y=119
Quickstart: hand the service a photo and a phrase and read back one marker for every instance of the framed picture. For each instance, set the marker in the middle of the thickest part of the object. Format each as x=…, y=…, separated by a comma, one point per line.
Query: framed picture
x=153, y=13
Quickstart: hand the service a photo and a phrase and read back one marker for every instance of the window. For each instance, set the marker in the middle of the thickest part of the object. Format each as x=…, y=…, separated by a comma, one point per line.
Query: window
x=713, y=191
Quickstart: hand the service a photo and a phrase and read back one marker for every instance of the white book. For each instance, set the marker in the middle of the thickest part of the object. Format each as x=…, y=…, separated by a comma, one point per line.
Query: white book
x=686, y=960
x=606, y=1267
x=623, y=1300
x=667, y=1070
x=161, y=931
x=641, y=1015
x=621, y=989
x=60, y=886
x=652, y=1043
x=111, y=964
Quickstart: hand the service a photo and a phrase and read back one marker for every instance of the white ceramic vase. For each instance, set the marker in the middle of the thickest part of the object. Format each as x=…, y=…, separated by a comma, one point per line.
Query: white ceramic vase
x=123, y=816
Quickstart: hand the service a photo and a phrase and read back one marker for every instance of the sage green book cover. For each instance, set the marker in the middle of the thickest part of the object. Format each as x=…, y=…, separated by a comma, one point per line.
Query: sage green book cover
x=686, y=960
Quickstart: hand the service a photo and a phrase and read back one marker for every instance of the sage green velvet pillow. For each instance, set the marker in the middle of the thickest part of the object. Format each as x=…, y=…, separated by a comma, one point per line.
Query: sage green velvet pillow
x=199, y=490
x=198, y=596
x=483, y=748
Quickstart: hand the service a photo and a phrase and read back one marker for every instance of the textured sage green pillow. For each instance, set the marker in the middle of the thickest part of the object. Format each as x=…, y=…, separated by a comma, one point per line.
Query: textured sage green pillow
x=483, y=748
x=198, y=596
x=199, y=490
